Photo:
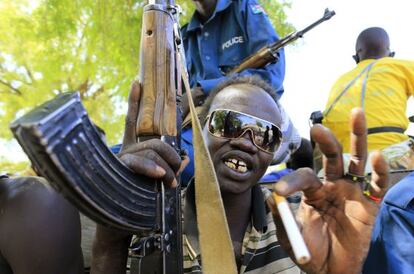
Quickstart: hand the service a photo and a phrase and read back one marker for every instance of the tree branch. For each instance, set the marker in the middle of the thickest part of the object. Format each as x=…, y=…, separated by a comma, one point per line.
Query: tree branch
x=29, y=73
x=17, y=91
x=83, y=88
x=98, y=92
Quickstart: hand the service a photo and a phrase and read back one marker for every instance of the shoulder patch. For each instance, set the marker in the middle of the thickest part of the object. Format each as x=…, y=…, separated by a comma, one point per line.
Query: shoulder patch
x=257, y=9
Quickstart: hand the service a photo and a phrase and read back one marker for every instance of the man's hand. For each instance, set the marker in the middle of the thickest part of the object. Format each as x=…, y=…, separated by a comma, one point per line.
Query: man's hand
x=152, y=158
x=198, y=97
x=335, y=216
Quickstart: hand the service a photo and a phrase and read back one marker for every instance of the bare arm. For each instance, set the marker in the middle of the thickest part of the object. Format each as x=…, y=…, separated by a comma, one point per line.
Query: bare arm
x=110, y=251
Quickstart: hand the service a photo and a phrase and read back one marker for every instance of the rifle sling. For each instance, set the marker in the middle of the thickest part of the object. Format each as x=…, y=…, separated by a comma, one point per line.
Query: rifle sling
x=214, y=237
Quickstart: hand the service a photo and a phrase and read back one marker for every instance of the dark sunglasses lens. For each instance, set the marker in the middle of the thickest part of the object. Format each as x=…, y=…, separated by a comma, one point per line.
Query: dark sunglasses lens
x=216, y=123
x=230, y=124
x=269, y=138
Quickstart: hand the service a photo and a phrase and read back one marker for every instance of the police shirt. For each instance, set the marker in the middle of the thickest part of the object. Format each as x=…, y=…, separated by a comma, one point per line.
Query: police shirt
x=236, y=30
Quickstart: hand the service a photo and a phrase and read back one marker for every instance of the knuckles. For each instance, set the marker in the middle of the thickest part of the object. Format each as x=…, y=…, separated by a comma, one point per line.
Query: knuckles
x=154, y=150
x=305, y=172
x=150, y=154
x=127, y=160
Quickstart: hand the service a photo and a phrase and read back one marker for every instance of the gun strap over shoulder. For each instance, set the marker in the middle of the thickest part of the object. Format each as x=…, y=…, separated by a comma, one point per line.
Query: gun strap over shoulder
x=365, y=71
x=214, y=237
x=187, y=119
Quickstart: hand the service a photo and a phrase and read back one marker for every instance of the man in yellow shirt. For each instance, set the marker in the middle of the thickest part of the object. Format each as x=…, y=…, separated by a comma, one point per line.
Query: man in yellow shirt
x=380, y=85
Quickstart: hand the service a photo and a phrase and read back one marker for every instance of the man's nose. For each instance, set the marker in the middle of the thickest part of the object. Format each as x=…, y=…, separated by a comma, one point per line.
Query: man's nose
x=245, y=142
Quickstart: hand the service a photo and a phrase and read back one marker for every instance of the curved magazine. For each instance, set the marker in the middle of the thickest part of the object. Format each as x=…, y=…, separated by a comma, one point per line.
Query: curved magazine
x=64, y=147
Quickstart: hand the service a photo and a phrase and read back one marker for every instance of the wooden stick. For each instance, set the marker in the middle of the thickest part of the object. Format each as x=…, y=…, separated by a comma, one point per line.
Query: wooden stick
x=299, y=247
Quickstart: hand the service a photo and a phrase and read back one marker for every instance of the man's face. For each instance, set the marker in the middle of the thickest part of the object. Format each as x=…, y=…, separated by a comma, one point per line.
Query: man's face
x=239, y=164
x=206, y=2
x=205, y=7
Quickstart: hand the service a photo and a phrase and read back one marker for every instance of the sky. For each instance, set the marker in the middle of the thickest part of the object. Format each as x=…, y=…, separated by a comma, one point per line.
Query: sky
x=316, y=61
x=325, y=53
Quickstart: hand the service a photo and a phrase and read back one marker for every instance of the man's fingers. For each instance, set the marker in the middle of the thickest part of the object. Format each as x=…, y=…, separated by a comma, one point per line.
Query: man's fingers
x=130, y=134
x=358, y=144
x=169, y=178
x=331, y=149
x=143, y=165
x=150, y=165
x=303, y=179
x=380, y=175
x=169, y=155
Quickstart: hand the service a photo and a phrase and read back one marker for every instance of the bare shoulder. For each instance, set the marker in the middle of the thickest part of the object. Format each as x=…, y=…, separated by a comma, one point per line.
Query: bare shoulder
x=31, y=196
x=33, y=212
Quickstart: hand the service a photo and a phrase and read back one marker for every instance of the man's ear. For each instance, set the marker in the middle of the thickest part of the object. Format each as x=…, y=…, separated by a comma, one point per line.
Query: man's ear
x=356, y=58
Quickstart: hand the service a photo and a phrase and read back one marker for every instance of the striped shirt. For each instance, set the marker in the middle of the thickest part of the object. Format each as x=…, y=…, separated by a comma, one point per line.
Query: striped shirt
x=261, y=250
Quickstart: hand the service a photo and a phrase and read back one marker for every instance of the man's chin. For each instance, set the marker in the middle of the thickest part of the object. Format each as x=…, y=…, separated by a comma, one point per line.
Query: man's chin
x=228, y=186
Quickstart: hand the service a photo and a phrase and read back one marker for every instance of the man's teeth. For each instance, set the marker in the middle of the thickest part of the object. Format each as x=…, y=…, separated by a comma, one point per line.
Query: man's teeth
x=237, y=165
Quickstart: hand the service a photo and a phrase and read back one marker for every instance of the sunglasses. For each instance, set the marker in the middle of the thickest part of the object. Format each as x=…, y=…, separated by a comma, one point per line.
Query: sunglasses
x=230, y=124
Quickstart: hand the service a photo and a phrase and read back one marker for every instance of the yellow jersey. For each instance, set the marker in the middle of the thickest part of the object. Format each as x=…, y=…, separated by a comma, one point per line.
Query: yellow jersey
x=381, y=87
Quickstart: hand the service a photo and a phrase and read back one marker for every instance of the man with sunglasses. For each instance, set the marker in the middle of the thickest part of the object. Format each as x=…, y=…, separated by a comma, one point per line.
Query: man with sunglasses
x=335, y=216
x=381, y=85
x=219, y=36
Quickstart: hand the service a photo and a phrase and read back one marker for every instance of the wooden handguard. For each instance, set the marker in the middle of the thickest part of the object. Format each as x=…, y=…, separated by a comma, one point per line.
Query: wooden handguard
x=157, y=115
x=258, y=60
x=268, y=54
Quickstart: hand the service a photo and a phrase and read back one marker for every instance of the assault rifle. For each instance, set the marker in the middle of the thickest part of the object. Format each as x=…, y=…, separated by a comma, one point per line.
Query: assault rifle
x=64, y=147
x=269, y=54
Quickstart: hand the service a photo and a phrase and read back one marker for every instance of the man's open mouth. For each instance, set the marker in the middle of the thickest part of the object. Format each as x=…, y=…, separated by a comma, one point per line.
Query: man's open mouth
x=236, y=165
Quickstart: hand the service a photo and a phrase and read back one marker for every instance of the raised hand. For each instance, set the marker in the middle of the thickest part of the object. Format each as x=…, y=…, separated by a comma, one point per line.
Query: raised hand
x=152, y=158
x=335, y=216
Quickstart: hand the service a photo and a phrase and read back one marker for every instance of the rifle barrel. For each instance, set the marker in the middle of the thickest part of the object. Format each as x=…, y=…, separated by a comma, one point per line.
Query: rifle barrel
x=299, y=34
x=269, y=54
x=327, y=15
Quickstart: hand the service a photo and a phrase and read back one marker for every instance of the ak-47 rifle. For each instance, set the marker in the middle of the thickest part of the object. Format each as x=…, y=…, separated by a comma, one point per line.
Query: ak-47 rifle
x=64, y=147
x=269, y=54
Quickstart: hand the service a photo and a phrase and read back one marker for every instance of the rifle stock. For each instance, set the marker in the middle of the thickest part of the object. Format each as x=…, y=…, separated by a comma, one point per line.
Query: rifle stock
x=269, y=54
x=64, y=147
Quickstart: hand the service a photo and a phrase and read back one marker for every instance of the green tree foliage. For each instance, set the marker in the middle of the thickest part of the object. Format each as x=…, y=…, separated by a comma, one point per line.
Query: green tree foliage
x=277, y=14
x=12, y=168
x=91, y=46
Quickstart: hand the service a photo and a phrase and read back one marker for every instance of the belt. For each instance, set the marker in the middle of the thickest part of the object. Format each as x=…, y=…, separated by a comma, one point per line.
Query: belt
x=374, y=130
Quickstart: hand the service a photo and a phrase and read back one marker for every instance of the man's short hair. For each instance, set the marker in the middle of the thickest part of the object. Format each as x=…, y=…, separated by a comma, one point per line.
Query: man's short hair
x=253, y=80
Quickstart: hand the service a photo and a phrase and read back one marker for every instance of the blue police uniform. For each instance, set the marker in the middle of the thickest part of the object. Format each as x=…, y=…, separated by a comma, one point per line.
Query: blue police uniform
x=392, y=244
x=236, y=30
